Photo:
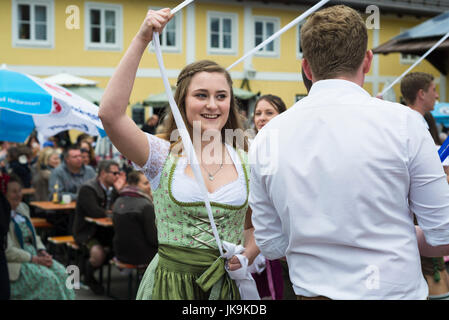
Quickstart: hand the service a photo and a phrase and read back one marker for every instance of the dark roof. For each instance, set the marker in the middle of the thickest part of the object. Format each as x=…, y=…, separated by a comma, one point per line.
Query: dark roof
x=416, y=7
x=421, y=38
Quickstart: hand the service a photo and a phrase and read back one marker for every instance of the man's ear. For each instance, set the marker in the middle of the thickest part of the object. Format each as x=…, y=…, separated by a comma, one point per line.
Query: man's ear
x=306, y=68
x=367, y=61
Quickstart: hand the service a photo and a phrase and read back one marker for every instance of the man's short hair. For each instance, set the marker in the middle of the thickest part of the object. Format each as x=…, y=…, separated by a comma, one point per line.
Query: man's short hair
x=105, y=165
x=412, y=83
x=334, y=42
x=70, y=148
x=133, y=177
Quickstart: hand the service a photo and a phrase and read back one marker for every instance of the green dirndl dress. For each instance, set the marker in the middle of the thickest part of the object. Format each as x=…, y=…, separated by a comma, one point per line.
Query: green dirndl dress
x=188, y=264
x=37, y=282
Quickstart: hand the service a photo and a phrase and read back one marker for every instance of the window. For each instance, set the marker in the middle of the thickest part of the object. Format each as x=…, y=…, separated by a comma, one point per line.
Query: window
x=222, y=33
x=170, y=38
x=263, y=29
x=407, y=58
x=298, y=46
x=33, y=23
x=103, y=29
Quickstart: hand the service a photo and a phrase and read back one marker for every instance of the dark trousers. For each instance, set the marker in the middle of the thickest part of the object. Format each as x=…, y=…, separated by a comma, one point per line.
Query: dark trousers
x=4, y=277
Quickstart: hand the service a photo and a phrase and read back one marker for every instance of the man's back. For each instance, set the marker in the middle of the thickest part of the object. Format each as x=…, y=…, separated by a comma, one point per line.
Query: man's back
x=342, y=195
x=135, y=234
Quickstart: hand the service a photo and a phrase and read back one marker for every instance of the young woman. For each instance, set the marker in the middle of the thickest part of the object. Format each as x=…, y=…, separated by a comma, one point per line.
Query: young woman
x=187, y=265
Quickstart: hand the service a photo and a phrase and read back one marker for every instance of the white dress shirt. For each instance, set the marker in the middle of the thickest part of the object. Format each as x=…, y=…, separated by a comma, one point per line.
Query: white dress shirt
x=348, y=169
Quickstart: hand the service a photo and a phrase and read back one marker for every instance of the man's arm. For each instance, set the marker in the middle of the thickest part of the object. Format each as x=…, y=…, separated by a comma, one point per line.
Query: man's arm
x=429, y=191
x=267, y=224
x=427, y=250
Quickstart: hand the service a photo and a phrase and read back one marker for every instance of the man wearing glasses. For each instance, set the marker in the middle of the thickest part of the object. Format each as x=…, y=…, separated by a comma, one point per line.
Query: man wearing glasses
x=95, y=199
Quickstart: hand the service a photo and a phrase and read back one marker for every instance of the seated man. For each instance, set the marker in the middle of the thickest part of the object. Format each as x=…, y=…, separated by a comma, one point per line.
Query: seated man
x=135, y=233
x=70, y=175
x=94, y=200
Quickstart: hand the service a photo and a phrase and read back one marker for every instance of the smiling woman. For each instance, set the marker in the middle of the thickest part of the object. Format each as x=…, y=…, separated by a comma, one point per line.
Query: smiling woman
x=188, y=264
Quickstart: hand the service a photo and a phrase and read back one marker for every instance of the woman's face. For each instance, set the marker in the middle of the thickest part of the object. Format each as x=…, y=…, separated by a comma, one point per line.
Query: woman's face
x=54, y=160
x=263, y=113
x=14, y=194
x=208, y=100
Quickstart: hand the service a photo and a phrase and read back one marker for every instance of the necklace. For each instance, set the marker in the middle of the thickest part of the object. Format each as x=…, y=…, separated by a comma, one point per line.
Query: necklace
x=212, y=176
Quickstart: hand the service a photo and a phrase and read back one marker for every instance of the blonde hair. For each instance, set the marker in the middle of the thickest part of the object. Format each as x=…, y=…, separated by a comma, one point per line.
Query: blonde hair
x=183, y=83
x=334, y=42
x=44, y=155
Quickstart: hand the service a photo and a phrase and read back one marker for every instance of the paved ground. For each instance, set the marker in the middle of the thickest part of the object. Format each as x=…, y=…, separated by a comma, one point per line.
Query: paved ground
x=119, y=287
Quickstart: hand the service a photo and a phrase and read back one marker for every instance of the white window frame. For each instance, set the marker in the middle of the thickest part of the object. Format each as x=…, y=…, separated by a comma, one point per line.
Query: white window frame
x=32, y=42
x=234, y=34
x=299, y=54
x=276, y=42
x=171, y=49
x=118, y=9
x=407, y=58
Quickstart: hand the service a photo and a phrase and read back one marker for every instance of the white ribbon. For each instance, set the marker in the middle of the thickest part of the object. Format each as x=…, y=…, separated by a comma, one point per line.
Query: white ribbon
x=242, y=276
x=415, y=64
x=277, y=34
x=181, y=6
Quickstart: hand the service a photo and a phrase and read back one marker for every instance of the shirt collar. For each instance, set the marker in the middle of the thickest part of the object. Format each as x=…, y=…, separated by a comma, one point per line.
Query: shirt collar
x=340, y=86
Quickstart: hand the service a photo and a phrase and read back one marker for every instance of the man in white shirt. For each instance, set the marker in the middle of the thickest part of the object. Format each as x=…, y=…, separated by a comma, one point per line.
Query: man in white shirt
x=348, y=169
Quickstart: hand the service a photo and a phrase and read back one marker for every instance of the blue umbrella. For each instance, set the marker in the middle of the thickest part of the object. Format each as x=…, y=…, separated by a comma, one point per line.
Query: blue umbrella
x=441, y=113
x=28, y=103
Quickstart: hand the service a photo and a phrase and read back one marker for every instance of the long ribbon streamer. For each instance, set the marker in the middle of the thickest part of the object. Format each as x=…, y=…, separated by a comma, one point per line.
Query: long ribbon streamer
x=181, y=6
x=281, y=31
x=187, y=143
x=416, y=63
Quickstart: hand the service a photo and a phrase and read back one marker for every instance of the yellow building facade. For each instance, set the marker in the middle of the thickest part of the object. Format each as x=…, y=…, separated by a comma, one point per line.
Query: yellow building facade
x=88, y=39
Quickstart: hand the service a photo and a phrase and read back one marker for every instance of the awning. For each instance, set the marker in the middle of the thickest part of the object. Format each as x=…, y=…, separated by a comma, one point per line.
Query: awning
x=90, y=93
x=66, y=79
x=421, y=38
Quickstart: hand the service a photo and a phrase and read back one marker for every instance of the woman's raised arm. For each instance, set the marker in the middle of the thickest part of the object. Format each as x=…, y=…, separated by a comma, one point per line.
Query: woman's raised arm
x=122, y=130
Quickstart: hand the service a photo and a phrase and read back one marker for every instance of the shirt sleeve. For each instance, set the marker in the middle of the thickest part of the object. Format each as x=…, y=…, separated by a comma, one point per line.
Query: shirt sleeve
x=429, y=190
x=266, y=221
x=159, y=149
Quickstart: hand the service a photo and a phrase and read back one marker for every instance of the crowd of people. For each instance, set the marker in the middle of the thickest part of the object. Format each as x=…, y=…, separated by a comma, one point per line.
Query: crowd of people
x=353, y=202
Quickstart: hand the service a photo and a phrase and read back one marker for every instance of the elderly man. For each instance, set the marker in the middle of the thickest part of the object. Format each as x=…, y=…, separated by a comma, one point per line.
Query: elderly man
x=70, y=175
x=344, y=222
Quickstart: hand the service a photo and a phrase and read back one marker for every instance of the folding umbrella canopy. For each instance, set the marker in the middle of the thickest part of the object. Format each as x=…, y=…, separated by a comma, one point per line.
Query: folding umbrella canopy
x=441, y=113
x=28, y=103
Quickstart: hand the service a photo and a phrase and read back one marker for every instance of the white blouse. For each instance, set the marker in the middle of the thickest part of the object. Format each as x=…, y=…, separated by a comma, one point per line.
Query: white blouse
x=184, y=187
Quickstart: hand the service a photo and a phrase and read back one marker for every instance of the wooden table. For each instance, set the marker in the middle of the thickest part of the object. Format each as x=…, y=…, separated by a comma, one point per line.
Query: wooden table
x=58, y=214
x=28, y=191
x=50, y=206
x=104, y=222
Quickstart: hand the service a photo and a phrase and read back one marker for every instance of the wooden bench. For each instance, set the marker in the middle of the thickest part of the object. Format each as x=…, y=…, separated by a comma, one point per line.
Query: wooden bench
x=41, y=223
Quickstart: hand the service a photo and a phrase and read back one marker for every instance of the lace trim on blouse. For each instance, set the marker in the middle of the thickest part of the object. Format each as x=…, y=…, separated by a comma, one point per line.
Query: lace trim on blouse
x=159, y=150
